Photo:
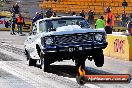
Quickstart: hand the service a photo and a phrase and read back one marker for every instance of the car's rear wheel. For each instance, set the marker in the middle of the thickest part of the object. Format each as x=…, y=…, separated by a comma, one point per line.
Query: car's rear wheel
x=78, y=63
x=99, y=58
x=32, y=62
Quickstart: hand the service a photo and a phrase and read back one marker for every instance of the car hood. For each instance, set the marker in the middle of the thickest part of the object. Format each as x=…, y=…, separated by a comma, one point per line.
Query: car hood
x=72, y=29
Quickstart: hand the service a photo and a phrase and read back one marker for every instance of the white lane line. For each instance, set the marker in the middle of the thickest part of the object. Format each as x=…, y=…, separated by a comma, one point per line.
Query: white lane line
x=88, y=85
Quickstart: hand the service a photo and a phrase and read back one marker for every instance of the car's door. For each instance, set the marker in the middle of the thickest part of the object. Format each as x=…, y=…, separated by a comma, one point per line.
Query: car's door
x=36, y=35
x=30, y=39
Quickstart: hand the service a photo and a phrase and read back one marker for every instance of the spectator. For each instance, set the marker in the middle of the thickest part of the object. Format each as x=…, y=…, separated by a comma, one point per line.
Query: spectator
x=20, y=23
x=129, y=27
x=109, y=21
x=37, y=17
x=54, y=14
x=100, y=23
x=90, y=16
x=13, y=23
x=73, y=14
x=123, y=19
x=49, y=13
x=130, y=17
x=40, y=16
x=82, y=13
x=16, y=8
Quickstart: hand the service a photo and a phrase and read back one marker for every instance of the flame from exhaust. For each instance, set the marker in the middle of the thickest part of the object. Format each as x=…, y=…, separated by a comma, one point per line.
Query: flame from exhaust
x=81, y=71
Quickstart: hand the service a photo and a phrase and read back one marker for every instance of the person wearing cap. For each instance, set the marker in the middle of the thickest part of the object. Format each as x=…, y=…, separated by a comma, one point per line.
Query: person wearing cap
x=100, y=23
x=109, y=21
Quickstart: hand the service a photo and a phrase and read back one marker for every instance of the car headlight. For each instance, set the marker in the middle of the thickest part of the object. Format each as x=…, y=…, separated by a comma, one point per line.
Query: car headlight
x=49, y=41
x=98, y=37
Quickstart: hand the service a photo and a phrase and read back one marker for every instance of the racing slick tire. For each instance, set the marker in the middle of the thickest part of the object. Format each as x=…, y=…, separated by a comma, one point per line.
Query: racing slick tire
x=78, y=63
x=32, y=62
x=99, y=58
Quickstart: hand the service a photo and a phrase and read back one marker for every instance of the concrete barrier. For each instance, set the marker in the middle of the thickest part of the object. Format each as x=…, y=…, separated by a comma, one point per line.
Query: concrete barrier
x=119, y=46
x=26, y=28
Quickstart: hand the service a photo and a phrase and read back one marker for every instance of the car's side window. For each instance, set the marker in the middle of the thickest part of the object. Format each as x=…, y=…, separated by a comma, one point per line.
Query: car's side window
x=42, y=27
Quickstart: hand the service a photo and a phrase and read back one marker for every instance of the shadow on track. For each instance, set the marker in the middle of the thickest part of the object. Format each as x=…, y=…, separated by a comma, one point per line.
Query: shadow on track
x=69, y=71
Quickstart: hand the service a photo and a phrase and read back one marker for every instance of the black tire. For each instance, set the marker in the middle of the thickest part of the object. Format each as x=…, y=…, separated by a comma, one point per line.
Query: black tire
x=78, y=63
x=44, y=62
x=46, y=65
x=31, y=62
x=99, y=58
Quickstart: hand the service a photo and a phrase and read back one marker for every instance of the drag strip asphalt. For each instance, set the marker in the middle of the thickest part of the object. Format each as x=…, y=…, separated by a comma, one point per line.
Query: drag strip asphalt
x=58, y=75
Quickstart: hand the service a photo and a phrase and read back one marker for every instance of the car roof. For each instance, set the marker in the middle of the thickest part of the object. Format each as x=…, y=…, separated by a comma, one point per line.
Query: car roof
x=59, y=17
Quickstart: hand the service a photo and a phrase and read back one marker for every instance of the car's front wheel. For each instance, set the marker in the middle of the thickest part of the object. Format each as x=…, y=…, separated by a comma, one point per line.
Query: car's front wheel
x=99, y=58
x=45, y=63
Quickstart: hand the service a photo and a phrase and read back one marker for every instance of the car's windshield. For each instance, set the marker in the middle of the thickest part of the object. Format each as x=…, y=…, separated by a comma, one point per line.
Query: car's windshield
x=55, y=23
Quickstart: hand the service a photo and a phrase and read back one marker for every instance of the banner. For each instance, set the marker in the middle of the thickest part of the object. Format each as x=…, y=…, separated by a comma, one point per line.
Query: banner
x=3, y=21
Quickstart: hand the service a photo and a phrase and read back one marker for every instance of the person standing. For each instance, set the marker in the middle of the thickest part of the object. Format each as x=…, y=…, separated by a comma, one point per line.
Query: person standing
x=123, y=19
x=13, y=24
x=129, y=27
x=100, y=23
x=37, y=17
x=90, y=16
x=54, y=14
x=82, y=13
x=16, y=9
x=74, y=14
x=49, y=13
x=109, y=21
x=20, y=23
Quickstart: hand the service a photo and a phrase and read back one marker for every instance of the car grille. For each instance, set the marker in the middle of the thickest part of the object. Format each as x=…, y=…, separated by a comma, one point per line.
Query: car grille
x=76, y=38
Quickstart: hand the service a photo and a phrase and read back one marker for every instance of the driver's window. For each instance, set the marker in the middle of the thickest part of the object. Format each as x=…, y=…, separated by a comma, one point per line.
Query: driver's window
x=42, y=27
